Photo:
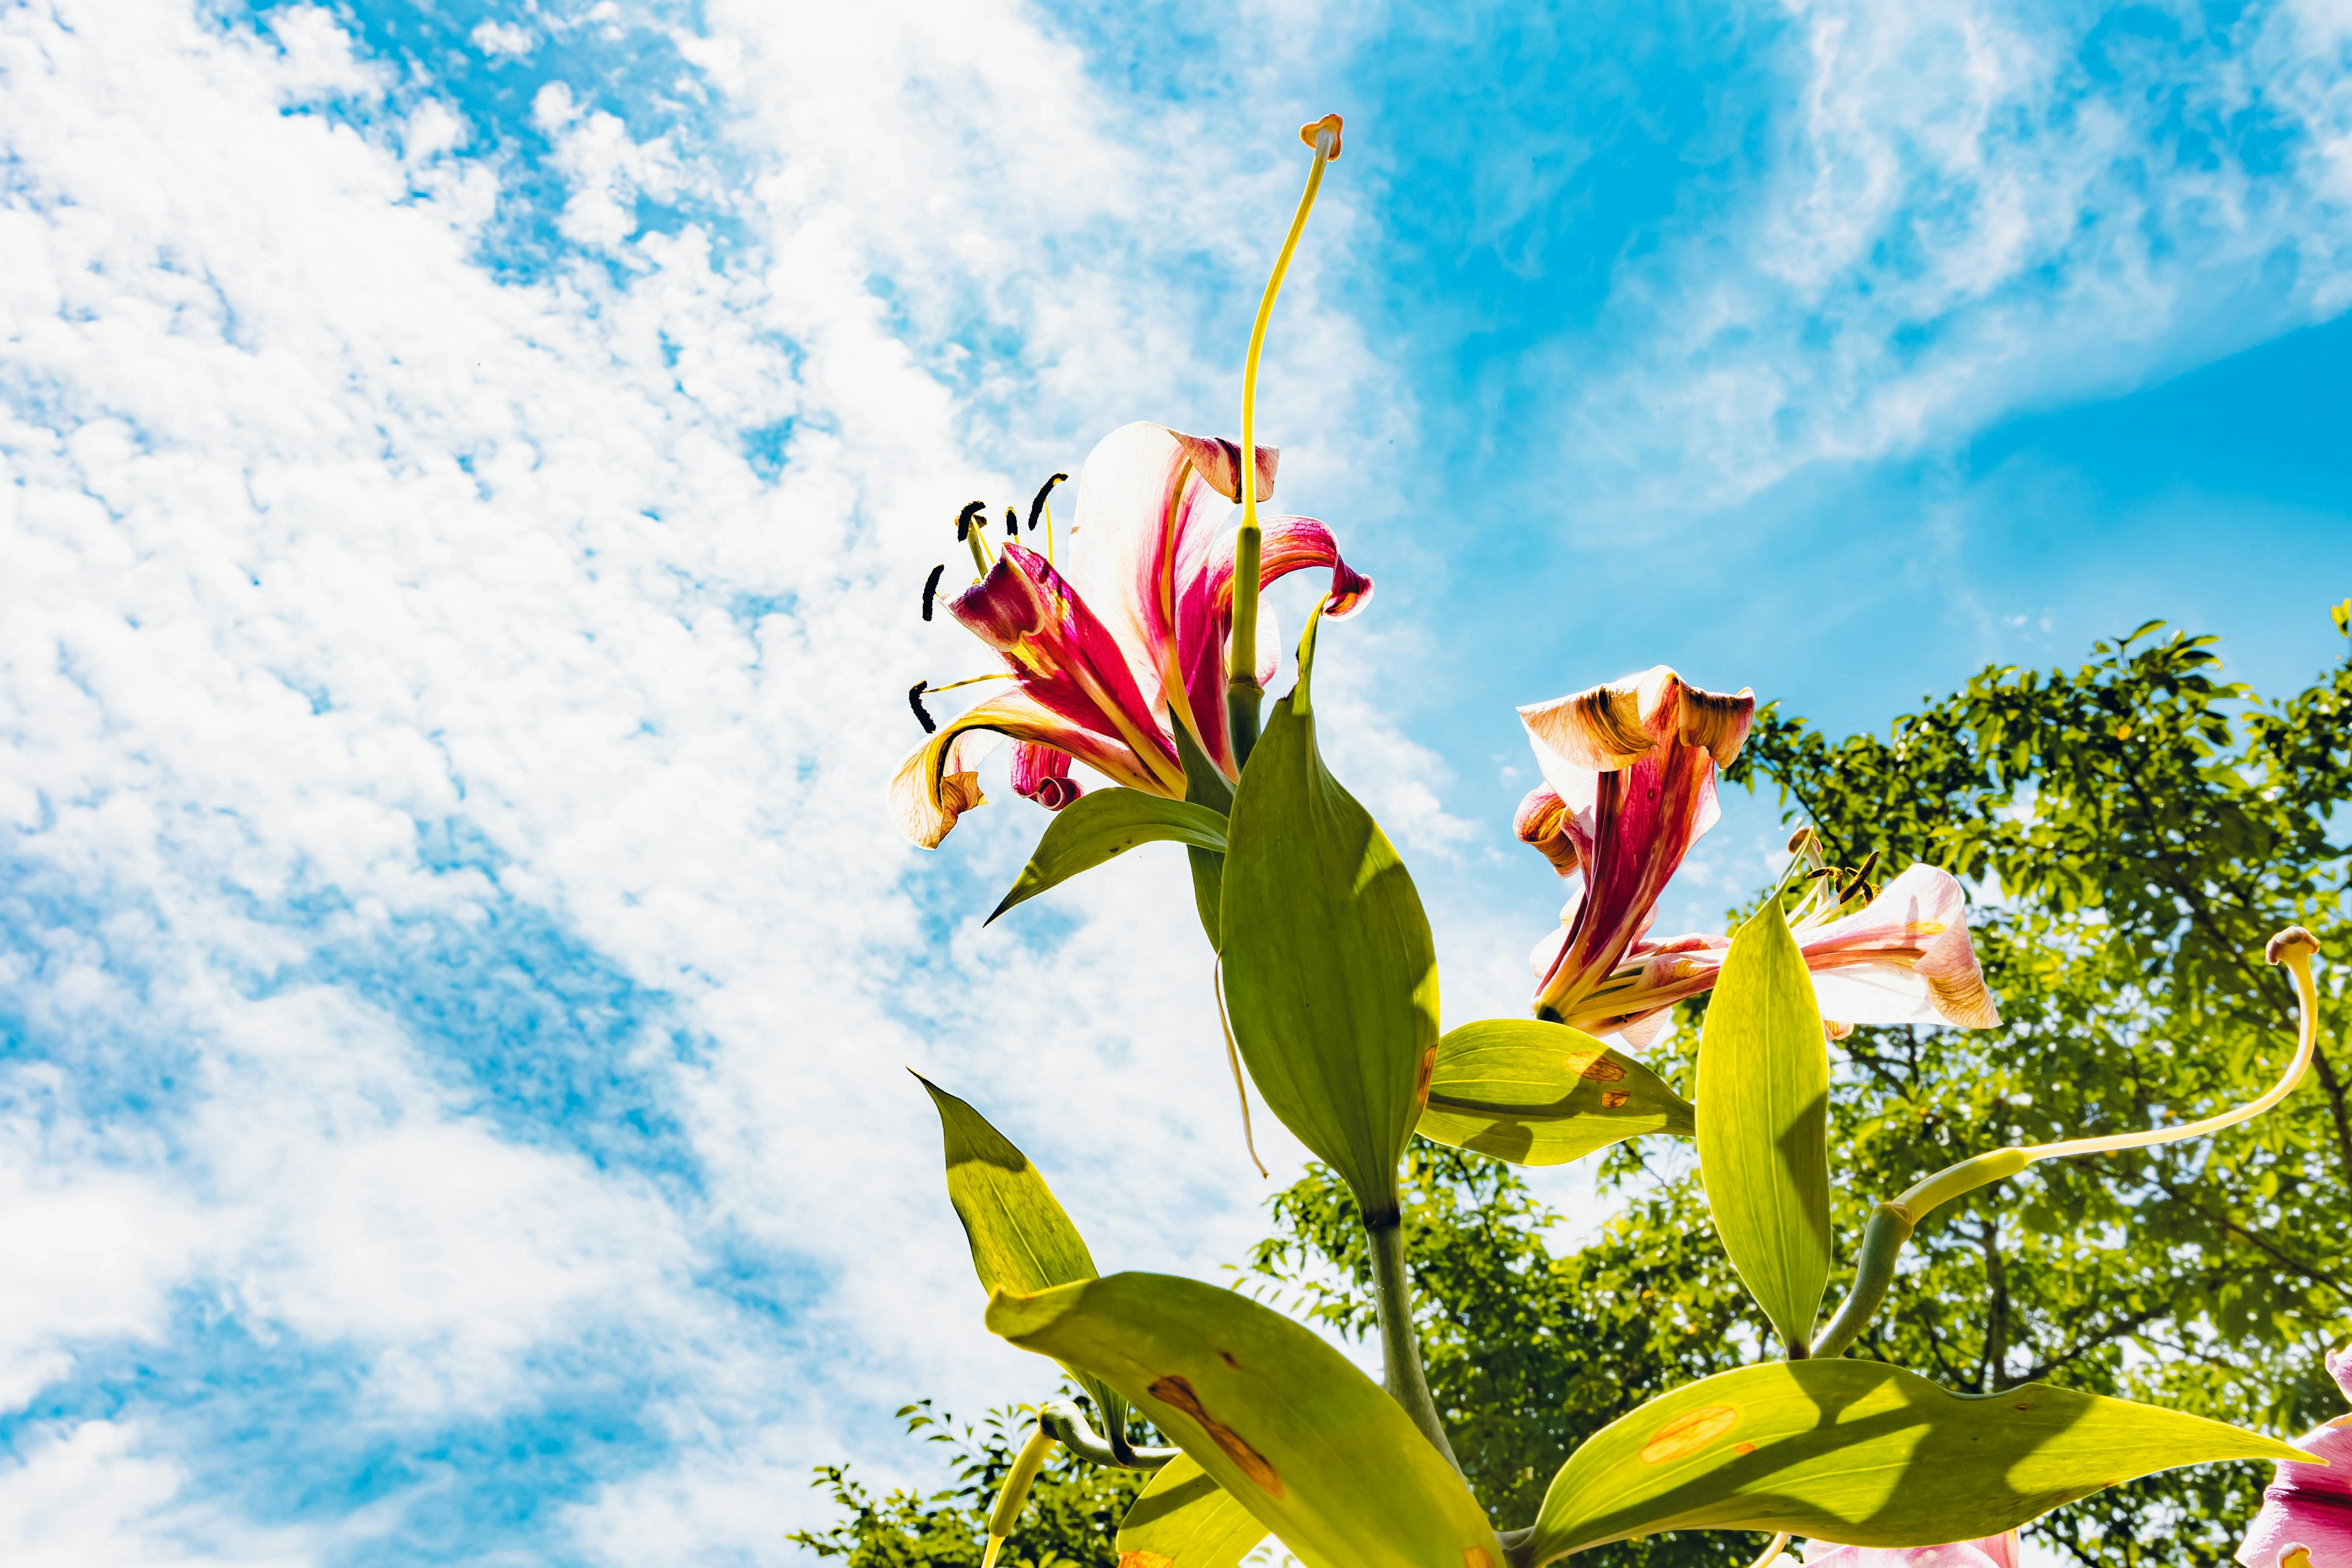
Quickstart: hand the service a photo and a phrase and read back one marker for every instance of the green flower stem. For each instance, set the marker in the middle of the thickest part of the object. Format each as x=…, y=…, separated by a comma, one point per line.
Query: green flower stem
x=1873, y=1271
x=1400, y=1350
x=1066, y=1426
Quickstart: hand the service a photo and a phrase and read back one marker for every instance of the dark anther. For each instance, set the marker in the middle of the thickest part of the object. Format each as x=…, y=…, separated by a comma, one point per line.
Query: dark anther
x=915, y=701
x=931, y=588
x=965, y=519
x=1861, y=879
x=1037, y=506
x=1011, y=524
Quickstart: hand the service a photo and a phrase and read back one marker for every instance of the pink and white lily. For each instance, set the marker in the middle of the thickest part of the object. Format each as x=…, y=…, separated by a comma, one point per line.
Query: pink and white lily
x=1990, y=1551
x=2309, y=1507
x=1107, y=659
x=1628, y=786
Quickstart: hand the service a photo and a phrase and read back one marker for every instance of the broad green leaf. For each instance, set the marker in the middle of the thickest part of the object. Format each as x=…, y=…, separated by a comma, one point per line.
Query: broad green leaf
x=1542, y=1094
x=1204, y=787
x=1104, y=822
x=1330, y=973
x=1763, y=1088
x=1284, y=1423
x=1863, y=1454
x=1021, y=1239
x=1185, y=1519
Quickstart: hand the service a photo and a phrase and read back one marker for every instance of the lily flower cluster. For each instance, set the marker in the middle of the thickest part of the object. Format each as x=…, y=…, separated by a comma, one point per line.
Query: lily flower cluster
x=1143, y=656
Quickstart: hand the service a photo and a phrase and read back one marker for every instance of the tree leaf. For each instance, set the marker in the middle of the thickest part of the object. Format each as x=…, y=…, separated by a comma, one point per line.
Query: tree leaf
x=1330, y=974
x=1185, y=1519
x=1863, y=1454
x=1763, y=1088
x=1021, y=1239
x=1542, y=1094
x=1104, y=822
x=1313, y=1448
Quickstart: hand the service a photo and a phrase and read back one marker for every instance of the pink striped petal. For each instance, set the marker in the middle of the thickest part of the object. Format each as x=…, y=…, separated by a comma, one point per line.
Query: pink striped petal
x=1043, y=774
x=2309, y=1505
x=1992, y=1551
x=1904, y=959
x=938, y=782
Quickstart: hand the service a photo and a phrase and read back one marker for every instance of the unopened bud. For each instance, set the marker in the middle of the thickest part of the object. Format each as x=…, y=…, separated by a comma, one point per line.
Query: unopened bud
x=2289, y=945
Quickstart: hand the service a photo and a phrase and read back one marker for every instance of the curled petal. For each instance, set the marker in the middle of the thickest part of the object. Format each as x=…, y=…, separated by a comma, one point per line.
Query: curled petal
x=1904, y=959
x=1043, y=774
x=1292, y=544
x=2309, y=1505
x=1993, y=1552
x=1220, y=460
x=1609, y=727
x=937, y=783
x=1545, y=823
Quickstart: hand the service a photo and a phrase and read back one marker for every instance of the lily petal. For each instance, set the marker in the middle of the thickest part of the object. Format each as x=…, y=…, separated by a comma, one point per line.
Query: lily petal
x=1043, y=774
x=2310, y=1505
x=1066, y=660
x=1904, y=959
x=1634, y=763
x=1992, y=1551
x=938, y=782
x=1545, y=822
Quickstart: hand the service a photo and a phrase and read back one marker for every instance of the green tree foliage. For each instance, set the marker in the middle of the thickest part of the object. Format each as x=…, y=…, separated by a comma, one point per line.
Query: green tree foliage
x=2135, y=829
x=1074, y=1509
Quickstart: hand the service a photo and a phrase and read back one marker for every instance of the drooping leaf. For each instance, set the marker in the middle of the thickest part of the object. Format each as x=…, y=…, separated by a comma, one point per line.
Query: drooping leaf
x=1205, y=786
x=1542, y=1094
x=1329, y=972
x=1185, y=1519
x=1105, y=823
x=1284, y=1423
x=1763, y=1088
x=1864, y=1454
x=1022, y=1238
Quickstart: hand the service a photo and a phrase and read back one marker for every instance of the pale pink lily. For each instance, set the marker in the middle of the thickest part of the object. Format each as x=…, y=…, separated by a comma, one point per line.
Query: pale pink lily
x=1105, y=659
x=1629, y=771
x=2309, y=1507
x=1990, y=1551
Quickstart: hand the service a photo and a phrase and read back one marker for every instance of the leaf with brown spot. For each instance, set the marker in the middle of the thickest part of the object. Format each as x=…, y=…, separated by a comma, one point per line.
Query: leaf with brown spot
x=1532, y=1093
x=1184, y=1519
x=1252, y=1396
x=1862, y=1454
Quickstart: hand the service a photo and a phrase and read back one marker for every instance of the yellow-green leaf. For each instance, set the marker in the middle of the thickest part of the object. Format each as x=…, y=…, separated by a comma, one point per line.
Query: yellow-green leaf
x=1863, y=1454
x=1284, y=1423
x=1102, y=823
x=1542, y=1094
x=1022, y=1238
x=1330, y=974
x=1763, y=1088
x=1185, y=1519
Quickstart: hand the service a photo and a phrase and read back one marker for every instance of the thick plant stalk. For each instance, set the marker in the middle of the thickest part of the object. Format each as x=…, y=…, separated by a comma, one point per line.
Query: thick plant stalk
x=1400, y=1350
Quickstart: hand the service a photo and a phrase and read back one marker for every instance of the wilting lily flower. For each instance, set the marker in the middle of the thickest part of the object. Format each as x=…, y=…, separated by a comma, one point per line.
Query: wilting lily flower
x=2310, y=1506
x=1992, y=1551
x=1620, y=815
x=1108, y=658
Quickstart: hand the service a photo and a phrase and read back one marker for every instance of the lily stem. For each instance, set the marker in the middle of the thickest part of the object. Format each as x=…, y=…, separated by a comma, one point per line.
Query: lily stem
x=1063, y=1421
x=1400, y=1347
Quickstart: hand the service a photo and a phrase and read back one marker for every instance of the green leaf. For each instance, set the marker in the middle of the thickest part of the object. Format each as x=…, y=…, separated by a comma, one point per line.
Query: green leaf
x=1762, y=1088
x=1863, y=1454
x=1331, y=975
x=1542, y=1094
x=1284, y=1423
x=1185, y=1519
x=1021, y=1239
x=1205, y=786
x=1104, y=822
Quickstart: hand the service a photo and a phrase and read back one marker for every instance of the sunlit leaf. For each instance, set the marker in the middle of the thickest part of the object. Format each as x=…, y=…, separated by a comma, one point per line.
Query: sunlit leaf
x=1316, y=1451
x=1864, y=1454
x=1102, y=823
x=1330, y=974
x=1542, y=1094
x=1763, y=1088
x=1021, y=1239
x=1185, y=1519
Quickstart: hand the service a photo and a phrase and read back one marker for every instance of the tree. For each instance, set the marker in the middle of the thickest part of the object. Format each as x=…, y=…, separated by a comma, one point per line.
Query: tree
x=2136, y=829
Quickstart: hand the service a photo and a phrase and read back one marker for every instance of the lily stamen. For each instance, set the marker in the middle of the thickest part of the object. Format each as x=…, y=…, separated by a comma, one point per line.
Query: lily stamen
x=931, y=588
x=968, y=531
x=971, y=681
x=922, y=715
x=1040, y=505
x=1011, y=524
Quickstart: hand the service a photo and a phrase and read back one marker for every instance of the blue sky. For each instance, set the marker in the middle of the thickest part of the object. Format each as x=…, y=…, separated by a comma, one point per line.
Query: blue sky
x=471, y=471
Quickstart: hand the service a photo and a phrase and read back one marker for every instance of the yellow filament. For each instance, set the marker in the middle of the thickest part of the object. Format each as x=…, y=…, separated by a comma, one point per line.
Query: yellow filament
x=995, y=1545
x=968, y=680
x=2307, y=999
x=1772, y=1552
